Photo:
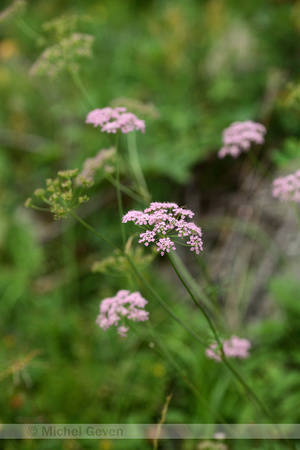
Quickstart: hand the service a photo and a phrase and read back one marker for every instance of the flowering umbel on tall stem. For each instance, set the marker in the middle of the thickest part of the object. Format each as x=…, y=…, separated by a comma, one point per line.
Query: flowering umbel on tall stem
x=164, y=222
x=123, y=305
x=112, y=119
x=104, y=162
x=239, y=136
x=287, y=188
x=234, y=347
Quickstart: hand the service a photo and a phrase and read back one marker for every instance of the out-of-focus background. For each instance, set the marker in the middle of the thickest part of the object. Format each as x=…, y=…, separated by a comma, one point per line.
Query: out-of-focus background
x=189, y=68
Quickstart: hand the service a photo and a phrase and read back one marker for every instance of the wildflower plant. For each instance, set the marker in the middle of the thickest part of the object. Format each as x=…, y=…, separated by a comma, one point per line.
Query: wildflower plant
x=125, y=305
x=234, y=347
x=66, y=48
x=287, y=188
x=239, y=136
x=112, y=119
x=154, y=264
x=163, y=222
x=117, y=121
x=101, y=164
x=163, y=225
x=63, y=56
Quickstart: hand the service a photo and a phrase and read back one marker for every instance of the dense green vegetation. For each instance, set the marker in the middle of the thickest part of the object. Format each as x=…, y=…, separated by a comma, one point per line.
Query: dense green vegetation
x=189, y=68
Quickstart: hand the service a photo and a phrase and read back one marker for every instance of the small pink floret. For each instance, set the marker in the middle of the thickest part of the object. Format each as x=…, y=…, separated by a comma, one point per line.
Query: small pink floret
x=287, y=188
x=123, y=305
x=239, y=136
x=234, y=347
x=110, y=120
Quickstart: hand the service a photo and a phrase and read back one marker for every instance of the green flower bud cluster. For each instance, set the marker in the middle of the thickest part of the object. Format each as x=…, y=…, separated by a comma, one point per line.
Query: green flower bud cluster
x=61, y=194
x=64, y=25
x=63, y=56
x=66, y=47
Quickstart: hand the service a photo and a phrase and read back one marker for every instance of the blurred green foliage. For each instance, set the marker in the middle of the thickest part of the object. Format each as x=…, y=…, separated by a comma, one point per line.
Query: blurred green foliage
x=201, y=65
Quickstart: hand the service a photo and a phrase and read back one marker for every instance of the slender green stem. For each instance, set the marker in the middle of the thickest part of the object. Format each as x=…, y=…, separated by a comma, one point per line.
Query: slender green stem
x=257, y=164
x=185, y=273
x=214, y=290
x=136, y=166
x=162, y=350
x=28, y=30
x=162, y=302
x=70, y=263
x=248, y=389
x=125, y=189
x=119, y=193
x=95, y=232
x=254, y=397
x=224, y=359
x=195, y=301
x=78, y=83
x=38, y=208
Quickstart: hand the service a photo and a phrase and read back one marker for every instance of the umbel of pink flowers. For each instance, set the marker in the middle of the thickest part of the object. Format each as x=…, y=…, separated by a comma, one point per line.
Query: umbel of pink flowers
x=287, y=188
x=234, y=347
x=163, y=221
x=104, y=160
x=123, y=305
x=239, y=136
x=110, y=120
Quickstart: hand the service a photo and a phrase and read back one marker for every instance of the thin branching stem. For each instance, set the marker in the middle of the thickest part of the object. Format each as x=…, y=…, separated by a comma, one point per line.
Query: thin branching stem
x=119, y=193
x=95, y=232
x=78, y=83
x=142, y=279
x=223, y=356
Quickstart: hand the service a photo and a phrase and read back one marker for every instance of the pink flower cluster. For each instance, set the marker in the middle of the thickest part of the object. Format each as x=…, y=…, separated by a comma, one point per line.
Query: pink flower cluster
x=238, y=137
x=234, y=347
x=163, y=219
x=112, y=119
x=287, y=188
x=104, y=160
x=124, y=304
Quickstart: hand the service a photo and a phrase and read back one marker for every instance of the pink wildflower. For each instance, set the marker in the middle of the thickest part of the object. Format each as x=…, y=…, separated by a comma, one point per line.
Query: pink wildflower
x=234, y=347
x=287, y=188
x=238, y=137
x=104, y=160
x=162, y=223
x=124, y=304
x=123, y=331
x=112, y=119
